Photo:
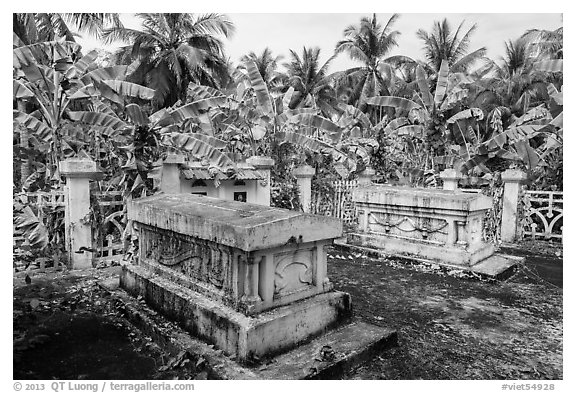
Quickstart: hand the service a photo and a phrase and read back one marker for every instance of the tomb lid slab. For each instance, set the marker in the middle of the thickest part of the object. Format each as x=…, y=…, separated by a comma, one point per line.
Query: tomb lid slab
x=246, y=226
x=421, y=197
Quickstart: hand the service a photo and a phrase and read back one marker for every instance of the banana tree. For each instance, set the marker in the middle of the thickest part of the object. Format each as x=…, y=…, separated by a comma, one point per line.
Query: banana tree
x=252, y=120
x=48, y=80
x=422, y=123
x=138, y=141
x=534, y=140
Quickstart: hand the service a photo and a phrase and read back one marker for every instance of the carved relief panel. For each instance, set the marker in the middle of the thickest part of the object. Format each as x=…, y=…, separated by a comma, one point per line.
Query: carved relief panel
x=294, y=271
x=414, y=227
x=198, y=259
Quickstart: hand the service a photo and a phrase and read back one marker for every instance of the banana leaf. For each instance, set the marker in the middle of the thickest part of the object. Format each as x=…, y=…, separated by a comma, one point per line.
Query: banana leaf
x=201, y=150
x=129, y=89
x=262, y=94
x=537, y=113
x=98, y=119
x=32, y=228
x=135, y=114
x=412, y=130
x=527, y=154
x=199, y=92
x=441, y=84
x=161, y=118
x=423, y=86
x=100, y=106
x=475, y=113
x=106, y=73
x=398, y=103
x=40, y=129
x=20, y=90
x=87, y=91
x=549, y=65
x=193, y=109
x=558, y=121
x=288, y=114
x=396, y=123
x=357, y=114
x=287, y=97
x=315, y=145
x=82, y=65
x=453, y=98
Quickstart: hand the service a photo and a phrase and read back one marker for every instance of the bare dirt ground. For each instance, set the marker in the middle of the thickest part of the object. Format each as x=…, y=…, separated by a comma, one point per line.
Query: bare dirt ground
x=455, y=328
x=67, y=327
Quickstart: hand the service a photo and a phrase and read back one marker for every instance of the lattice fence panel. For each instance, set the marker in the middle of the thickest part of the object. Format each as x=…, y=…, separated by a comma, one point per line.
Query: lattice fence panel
x=544, y=214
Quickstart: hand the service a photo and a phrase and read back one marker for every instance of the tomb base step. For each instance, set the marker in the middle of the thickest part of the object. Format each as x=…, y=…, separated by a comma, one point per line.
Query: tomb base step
x=496, y=267
x=352, y=345
x=442, y=253
x=239, y=335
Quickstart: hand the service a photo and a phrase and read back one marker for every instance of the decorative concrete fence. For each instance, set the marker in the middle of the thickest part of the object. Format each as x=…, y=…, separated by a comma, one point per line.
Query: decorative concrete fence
x=83, y=250
x=248, y=278
x=544, y=214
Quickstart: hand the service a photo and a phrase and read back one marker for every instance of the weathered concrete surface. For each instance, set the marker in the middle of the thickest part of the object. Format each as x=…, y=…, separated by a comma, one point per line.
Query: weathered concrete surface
x=235, y=333
x=251, y=179
x=173, y=338
x=249, y=279
x=498, y=266
x=304, y=174
x=512, y=179
x=353, y=345
x=409, y=248
x=330, y=355
x=245, y=226
x=412, y=197
x=78, y=230
x=444, y=226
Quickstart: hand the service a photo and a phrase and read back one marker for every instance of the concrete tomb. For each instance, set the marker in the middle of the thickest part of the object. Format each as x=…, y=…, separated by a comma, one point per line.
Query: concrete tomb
x=444, y=226
x=248, y=278
x=250, y=182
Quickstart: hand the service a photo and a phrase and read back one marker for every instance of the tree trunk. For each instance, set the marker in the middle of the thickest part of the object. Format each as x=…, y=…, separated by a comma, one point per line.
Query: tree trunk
x=25, y=164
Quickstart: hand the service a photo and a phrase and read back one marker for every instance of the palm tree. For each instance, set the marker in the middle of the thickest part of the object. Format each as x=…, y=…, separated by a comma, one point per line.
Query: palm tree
x=547, y=43
x=442, y=44
x=267, y=65
x=38, y=27
x=310, y=81
x=515, y=84
x=174, y=50
x=368, y=43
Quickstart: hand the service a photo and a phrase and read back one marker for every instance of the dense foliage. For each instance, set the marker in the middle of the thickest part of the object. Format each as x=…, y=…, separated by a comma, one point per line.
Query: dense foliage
x=171, y=89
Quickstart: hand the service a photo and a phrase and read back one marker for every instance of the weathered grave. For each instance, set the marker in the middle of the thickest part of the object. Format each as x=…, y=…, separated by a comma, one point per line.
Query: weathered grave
x=250, y=182
x=248, y=278
x=444, y=226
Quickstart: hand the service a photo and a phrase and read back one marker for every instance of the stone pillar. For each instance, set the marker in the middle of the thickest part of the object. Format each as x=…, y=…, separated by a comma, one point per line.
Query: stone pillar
x=170, y=182
x=78, y=229
x=321, y=279
x=303, y=176
x=450, y=178
x=365, y=177
x=512, y=179
x=251, y=281
x=262, y=165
